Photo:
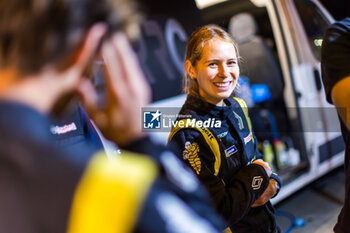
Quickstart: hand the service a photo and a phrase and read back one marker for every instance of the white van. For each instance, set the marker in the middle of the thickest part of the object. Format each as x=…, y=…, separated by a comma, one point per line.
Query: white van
x=279, y=42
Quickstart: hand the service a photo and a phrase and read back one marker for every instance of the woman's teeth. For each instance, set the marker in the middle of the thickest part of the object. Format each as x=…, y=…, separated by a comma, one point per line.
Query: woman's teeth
x=225, y=84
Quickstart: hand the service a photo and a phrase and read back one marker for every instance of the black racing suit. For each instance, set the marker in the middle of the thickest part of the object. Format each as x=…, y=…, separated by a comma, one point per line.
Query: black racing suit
x=236, y=184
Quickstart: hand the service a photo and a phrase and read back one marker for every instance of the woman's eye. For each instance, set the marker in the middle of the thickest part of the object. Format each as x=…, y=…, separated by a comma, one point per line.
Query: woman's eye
x=232, y=62
x=212, y=64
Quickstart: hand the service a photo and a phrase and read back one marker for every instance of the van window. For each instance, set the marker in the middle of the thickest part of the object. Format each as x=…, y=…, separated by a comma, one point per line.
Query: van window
x=315, y=24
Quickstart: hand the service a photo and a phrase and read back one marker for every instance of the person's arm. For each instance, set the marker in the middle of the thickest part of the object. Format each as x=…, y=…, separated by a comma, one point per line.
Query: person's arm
x=340, y=95
x=269, y=193
x=232, y=199
x=335, y=57
x=127, y=92
x=272, y=189
x=275, y=182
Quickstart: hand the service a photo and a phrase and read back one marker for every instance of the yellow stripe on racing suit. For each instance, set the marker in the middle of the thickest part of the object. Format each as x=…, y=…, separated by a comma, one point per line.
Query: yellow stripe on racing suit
x=110, y=194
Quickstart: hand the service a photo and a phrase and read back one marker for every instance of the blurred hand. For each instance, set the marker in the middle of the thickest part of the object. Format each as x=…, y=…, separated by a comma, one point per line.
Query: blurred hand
x=265, y=165
x=268, y=194
x=127, y=92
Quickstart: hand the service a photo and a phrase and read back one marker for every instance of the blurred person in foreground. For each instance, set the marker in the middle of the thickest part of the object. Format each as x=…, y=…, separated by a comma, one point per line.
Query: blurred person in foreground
x=45, y=48
x=335, y=63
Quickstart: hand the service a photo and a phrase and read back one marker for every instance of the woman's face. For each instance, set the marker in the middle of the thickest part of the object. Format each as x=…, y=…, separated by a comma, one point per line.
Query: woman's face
x=217, y=71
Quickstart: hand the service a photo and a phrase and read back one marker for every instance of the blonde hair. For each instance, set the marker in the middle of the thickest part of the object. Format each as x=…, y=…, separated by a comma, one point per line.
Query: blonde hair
x=194, y=49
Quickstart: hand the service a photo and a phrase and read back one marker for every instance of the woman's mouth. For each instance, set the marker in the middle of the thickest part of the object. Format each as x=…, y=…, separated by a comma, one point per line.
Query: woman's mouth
x=222, y=85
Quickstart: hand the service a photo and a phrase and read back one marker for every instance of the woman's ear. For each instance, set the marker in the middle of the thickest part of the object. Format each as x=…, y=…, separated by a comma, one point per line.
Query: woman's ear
x=190, y=69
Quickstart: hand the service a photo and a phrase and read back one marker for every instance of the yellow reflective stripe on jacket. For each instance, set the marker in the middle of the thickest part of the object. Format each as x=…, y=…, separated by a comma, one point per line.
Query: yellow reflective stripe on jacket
x=209, y=138
x=227, y=230
x=110, y=194
x=246, y=114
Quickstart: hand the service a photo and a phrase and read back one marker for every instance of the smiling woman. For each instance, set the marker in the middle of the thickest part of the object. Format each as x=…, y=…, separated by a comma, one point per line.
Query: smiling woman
x=211, y=63
x=216, y=71
x=225, y=158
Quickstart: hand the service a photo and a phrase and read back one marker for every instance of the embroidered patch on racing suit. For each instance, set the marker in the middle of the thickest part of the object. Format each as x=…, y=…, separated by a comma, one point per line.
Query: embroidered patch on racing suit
x=247, y=139
x=63, y=129
x=230, y=151
x=191, y=154
x=256, y=182
x=240, y=121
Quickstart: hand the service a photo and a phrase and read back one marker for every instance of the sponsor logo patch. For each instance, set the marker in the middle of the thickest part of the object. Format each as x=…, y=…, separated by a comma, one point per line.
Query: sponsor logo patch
x=240, y=121
x=247, y=139
x=256, y=183
x=63, y=129
x=191, y=154
x=230, y=151
x=222, y=134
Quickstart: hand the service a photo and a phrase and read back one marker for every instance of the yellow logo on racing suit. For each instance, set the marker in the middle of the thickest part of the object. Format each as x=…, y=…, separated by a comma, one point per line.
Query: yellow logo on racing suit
x=191, y=153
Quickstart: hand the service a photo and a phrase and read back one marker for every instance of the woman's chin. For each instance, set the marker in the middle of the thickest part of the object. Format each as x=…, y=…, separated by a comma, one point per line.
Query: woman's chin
x=224, y=95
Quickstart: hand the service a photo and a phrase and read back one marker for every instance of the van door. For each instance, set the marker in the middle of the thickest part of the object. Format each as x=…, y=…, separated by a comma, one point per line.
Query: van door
x=304, y=23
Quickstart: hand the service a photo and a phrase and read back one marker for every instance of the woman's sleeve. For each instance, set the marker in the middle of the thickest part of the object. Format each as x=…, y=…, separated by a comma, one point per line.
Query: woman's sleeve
x=234, y=199
x=258, y=155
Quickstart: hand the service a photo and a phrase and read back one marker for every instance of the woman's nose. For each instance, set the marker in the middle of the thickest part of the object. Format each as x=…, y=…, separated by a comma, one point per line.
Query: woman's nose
x=223, y=71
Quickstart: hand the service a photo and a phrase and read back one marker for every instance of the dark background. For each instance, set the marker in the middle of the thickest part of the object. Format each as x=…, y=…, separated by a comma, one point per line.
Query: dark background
x=152, y=48
x=338, y=8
